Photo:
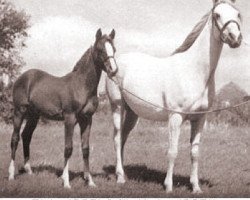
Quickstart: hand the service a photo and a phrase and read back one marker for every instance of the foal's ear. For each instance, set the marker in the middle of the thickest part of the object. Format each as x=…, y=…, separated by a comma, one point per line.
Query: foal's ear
x=98, y=34
x=112, y=34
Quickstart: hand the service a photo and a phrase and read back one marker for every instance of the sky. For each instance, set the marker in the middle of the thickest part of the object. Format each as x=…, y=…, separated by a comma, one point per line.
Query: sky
x=62, y=30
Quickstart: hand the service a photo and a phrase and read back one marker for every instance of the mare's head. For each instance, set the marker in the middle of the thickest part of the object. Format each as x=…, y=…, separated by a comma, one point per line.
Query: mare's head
x=227, y=22
x=104, y=51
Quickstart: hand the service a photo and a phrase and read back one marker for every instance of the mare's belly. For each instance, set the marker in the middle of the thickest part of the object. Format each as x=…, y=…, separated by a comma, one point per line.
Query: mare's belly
x=146, y=109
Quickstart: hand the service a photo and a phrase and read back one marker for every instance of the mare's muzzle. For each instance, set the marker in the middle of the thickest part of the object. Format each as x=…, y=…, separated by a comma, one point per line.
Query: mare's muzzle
x=231, y=39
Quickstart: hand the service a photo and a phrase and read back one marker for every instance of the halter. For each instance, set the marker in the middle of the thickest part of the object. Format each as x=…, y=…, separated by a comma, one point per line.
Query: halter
x=105, y=60
x=221, y=30
x=116, y=70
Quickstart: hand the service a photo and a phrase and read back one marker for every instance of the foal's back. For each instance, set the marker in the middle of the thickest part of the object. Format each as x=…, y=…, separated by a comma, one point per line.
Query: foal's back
x=42, y=92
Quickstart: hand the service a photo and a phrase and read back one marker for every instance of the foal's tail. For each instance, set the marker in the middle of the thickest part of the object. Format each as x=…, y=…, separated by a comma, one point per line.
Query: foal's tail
x=22, y=88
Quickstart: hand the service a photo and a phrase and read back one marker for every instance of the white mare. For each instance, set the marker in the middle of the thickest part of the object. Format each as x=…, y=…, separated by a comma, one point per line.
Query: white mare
x=183, y=82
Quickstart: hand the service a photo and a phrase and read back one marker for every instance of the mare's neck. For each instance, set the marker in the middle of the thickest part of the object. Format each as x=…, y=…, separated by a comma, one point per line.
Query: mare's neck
x=206, y=52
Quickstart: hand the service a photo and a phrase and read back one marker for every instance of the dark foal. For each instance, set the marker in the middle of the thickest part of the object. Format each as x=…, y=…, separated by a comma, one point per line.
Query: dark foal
x=72, y=98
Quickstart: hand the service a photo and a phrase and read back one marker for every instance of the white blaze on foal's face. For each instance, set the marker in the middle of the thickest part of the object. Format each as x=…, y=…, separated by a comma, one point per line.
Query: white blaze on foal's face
x=110, y=54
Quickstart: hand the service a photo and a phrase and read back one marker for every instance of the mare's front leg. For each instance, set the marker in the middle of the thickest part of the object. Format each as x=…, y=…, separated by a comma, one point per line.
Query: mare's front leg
x=85, y=126
x=175, y=122
x=118, y=111
x=69, y=123
x=196, y=129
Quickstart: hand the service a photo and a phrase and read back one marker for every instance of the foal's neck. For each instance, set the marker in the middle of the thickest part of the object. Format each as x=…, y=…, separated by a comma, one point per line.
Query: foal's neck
x=87, y=71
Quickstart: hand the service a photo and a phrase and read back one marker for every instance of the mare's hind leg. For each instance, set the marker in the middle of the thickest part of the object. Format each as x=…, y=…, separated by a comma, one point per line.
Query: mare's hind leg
x=17, y=122
x=196, y=128
x=121, y=132
x=175, y=122
x=28, y=130
x=70, y=121
x=85, y=126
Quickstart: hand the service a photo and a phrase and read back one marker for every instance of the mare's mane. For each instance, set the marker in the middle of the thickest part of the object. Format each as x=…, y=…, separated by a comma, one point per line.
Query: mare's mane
x=191, y=38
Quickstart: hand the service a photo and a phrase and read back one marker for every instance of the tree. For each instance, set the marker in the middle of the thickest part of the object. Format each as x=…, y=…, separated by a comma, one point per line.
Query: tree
x=13, y=31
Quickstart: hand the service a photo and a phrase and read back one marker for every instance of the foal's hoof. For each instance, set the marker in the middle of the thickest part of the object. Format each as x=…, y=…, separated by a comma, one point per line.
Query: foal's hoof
x=28, y=171
x=92, y=184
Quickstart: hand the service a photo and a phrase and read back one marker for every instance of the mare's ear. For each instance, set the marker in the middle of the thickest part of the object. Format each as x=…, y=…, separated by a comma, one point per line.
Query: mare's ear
x=112, y=34
x=98, y=34
x=216, y=1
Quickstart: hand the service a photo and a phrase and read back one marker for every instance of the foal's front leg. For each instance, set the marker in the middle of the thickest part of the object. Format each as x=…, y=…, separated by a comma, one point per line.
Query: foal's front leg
x=196, y=128
x=70, y=121
x=85, y=126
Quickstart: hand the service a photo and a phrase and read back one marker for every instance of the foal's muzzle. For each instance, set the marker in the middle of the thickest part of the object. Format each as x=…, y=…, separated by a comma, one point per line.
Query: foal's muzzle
x=111, y=66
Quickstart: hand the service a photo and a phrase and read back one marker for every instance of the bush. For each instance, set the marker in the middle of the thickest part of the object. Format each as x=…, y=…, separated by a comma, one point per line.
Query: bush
x=13, y=26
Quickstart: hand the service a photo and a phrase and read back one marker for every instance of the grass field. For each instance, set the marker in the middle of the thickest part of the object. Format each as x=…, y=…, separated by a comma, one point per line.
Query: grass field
x=224, y=163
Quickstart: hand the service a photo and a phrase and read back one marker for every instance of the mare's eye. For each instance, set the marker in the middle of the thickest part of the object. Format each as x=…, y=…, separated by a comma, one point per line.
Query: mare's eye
x=239, y=16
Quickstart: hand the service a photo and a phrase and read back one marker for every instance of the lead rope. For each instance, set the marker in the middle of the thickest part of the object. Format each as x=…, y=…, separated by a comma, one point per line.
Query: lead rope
x=174, y=111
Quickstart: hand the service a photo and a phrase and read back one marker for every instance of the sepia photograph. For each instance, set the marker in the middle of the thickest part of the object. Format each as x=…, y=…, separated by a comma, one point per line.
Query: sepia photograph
x=124, y=99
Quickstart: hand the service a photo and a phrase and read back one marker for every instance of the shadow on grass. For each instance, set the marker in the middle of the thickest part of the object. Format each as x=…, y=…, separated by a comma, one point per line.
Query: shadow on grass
x=58, y=172
x=138, y=173
x=141, y=173
x=53, y=170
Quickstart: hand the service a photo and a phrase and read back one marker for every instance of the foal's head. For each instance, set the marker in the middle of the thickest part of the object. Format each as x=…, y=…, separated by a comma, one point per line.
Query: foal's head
x=105, y=52
x=227, y=21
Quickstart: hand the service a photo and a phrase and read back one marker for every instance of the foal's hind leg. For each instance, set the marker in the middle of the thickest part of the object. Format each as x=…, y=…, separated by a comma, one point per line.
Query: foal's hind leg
x=17, y=122
x=121, y=132
x=26, y=137
x=196, y=128
x=175, y=122
x=70, y=121
x=85, y=126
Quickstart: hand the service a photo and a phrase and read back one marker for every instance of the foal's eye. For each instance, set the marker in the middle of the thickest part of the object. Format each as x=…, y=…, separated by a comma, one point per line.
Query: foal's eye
x=216, y=16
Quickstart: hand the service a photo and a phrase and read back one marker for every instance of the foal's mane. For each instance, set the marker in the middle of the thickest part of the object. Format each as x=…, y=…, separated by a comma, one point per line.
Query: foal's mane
x=80, y=63
x=191, y=38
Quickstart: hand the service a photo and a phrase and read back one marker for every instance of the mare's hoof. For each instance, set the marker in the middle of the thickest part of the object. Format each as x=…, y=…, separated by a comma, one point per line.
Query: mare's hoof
x=67, y=186
x=168, y=191
x=121, y=180
x=197, y=191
